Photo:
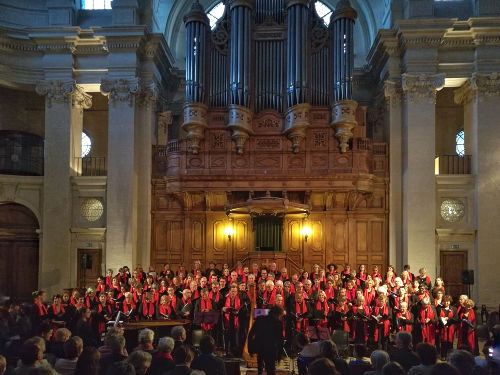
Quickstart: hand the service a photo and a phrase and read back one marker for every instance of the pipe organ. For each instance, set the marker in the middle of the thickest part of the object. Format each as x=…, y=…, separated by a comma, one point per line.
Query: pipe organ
x=271, y=129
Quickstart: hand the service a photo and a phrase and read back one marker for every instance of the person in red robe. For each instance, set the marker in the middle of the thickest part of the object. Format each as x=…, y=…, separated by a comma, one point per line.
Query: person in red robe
x=403, y=318
x=103, y=314
x=381, y=317
x=339, y=318
x=447, y=319
x=205, y=304
x=165, y=311
x=359, y=321
x=465, y=328
x=148, y=308
x=101, y=286
x=299, y=312
x=369, y=293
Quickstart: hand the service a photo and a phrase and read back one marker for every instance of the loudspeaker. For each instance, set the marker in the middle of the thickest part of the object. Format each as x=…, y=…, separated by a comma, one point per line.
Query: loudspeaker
x=468, y=277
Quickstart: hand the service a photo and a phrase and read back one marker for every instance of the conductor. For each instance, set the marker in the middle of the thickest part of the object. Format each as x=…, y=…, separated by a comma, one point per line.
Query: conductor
x=266, y=339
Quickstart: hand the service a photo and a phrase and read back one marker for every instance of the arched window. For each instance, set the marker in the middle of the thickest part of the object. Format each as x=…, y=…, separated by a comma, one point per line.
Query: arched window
x=96, y=4
x=86, y=144
x=215, y=13
x=324, y=11
x=460, y=143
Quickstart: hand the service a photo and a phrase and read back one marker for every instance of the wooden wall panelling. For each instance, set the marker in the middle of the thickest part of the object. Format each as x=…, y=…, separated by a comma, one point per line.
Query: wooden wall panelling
x=217, y=244
x=168, y=244
x=243, y=238
x=339, y=252
x=292, y=242
x=369, y=242
x=195, y=239
x=314, y=248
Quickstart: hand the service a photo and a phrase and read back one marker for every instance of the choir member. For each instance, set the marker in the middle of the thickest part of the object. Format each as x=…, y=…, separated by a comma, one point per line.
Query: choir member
x=406, y=268
x=129, y=308
x=369, y=293
x=403, y=318
x=425, y=322
x=103, y=314
x=83, y=328
x=320, y=310
x=261, y=289
x=166, y=271
x=330, y=291
x=223, y=288
x=345, y=275
x=331, y=269
x=185, y=305
x=148, y=308
x=362, y=275
x=231, y=309
x=340, y=315
x=215, y=296
x=375, y=273
x=465, y=327
x=389, y=277
x=283, y=276
x=359, y=321
x=91, y=299
x=405, y=277
x=148, y=284
x=310, y=292
x=438, y=285
x=422, y=278
x=382, y=319
x=165, y=311
x=315, y=272
x=212, y=267
x=269, y=295
x=351, y=292
x=299, y=312
x=279, y=287
x=205, y=304
x=447, y=319
x=101, y=286
x=57, y=312
x=109, y=279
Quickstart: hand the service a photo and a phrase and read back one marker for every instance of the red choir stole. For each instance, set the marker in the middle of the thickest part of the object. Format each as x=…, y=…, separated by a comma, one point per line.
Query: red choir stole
x=448, y=331
x=374, y=275
x=397, y=301
x=148, y=310
x=404, y=327
x=269, y=297
x=165, y=309
x=195, y=294
x=100, y=288
x=301, y=308
x=369, y=296
x=465, y=334
x=173, y=302
x=330, y=293
x=322, y=307
x=126, y=308
x=362, y=276
x=109, y=282
x=386, y=324
x=227, y=315
x=61, y=309
x=351, y=294
x=365, y=310
x=215, y=297
x=344, y=324
x=101, y=323
x=428, y=329
x=206, y=305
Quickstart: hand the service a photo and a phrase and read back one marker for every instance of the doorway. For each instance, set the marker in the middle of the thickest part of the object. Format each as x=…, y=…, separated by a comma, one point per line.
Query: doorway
x=452, y=265
x=89, y=267
x=18, y=252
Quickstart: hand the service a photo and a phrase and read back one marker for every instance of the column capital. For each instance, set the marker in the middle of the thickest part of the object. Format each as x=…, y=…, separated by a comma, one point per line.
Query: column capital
x=120, y=90
x=465, y=93
x=393, y=91
x=422, y=86
x=486, y=84
x=62, y=91
x=147, y=95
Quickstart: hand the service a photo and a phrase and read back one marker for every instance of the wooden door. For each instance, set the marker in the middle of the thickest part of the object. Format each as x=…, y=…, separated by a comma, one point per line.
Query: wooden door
x=452, y=265
x=89, y=267
x=18, y=252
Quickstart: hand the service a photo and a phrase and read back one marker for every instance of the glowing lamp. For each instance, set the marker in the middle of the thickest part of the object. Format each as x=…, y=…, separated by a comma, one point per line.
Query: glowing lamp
x=306, y=232
x=229, y=231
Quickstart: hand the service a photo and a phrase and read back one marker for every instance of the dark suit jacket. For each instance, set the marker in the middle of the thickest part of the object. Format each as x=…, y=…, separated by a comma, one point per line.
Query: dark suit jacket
x=108, y=360
x=405, y=357
x=266, y=336
x=160, y=365
x=179, y=370
x=209, y=363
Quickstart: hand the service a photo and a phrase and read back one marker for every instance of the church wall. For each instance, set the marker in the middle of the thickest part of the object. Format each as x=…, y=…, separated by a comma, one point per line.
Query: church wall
x=449, y=121
x=21, y=111
x=95, y=123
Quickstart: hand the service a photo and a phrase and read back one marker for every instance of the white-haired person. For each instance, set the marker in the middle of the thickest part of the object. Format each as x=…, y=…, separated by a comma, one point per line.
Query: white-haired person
x=145, y=339
x=162, y=360
x=425, y=322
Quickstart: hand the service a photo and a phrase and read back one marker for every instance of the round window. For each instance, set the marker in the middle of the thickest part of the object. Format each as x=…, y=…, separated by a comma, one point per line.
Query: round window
x=91, y=209
x=86, y=144
x=452, y=210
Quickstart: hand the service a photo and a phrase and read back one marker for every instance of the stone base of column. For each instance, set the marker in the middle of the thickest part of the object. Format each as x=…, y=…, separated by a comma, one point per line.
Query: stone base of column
x=296, y=123
x=344, y=121
x=240, y=123
x=195, y=122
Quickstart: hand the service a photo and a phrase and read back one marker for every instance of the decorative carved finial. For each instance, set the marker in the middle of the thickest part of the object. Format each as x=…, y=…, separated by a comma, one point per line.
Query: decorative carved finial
x=344, y=121
x=195, y=122
x=240, y=123
x=296, y=123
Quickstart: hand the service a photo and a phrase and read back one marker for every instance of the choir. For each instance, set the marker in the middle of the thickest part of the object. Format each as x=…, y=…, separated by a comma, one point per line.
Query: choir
x=368, y=306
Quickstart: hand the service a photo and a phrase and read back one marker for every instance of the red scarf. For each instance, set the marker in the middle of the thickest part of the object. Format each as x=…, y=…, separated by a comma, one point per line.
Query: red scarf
x=407, y=316
x=109, y=281
x=236, y=306
x=323, y=307
x=345, y=323
x=447, y=332
x=428, y=329
x=382, y=310
x=217, y=296
x=330, y=293
x=108, y=307
x=301, y=308
x=100, y=288
x=270, y=297
x=148, y=309
x=206, y=305
x=125, y=307
x=354, y=323
x=351, y=294
x=369, y=296
x=173, y=302
x=61, y=309
x=164, y=355
x=165, y=310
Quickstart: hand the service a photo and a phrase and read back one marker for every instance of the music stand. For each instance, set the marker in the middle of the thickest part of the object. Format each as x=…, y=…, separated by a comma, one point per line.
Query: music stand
x=318, y=333
x=207, y=317
x=260, y=312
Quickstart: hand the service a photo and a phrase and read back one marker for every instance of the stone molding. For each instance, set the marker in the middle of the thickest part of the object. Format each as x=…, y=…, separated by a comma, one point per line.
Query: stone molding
x=465, y=93
x=147, y=95
x=121, y=90
x=486, y=84
x=393, y=92
x=62, y=91
x=422, y=86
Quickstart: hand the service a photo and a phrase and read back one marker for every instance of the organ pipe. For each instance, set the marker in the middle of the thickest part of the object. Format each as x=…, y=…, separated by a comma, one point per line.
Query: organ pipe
x=297, y=116
x=240, y=115
x=195, y=110
x=344, y=108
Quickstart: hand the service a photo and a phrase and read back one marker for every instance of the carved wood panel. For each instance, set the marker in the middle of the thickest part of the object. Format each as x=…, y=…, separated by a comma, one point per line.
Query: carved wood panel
x=168, y=240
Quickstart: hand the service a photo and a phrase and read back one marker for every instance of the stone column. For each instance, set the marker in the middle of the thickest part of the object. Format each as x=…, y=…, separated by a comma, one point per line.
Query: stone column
x=485, y=134
x=64, y=104
x=121, y=195
x=419, y=201
x=393, y=91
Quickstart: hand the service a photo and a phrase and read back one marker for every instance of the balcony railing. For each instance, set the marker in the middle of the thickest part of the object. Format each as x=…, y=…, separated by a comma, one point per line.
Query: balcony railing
x=91, y=166
x=452, y=164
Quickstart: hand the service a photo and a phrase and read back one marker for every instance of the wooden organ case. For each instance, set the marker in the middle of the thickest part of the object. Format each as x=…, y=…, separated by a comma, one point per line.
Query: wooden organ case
x=270, y=125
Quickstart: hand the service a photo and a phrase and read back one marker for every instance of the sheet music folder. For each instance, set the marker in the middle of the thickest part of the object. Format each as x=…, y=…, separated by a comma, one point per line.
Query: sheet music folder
x=207, y=317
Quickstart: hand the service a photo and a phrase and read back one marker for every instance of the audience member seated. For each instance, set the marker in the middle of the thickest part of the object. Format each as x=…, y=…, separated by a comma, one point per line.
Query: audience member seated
x=162, y=360
x=105, y=349
x=141, y=361
x=428, y=358
x=121, y=368
x=379, y=359
x=464, y=362
x=88, y=362
x=179, y=335
x=393, y=368
x=72, y=349
x=360, y=364
x=310, y=351
x=207, y=361
x=328, y=350
x=322, y=366
x=145, y=338
x=116, y=344
x=183, y=356
x=403, y=353
x=444, y=369
x=57, y=347
x=31, y=356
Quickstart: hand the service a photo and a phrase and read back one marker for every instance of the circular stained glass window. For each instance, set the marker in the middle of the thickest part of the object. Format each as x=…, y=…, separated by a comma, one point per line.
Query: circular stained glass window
x=452, y=210
x=91, y=209
x=86, y=144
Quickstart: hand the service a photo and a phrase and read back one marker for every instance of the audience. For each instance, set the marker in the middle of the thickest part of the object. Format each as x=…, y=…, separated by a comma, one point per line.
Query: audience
x=141, y=361
x=322, y=366
x=121, y=368
x=88, y=362
x=146, y=337
x=379, y=359
x=162, y=360
x=207, y=361
x=444, y=369
x=183, y=356
x=360, y=364
x=3, y=364
x=72, y=349
x=328, y=350
x=57, y=347
x=428, y=358
x=116, y=344
x=179, y=335
x=403, y=353
x=393, y=368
